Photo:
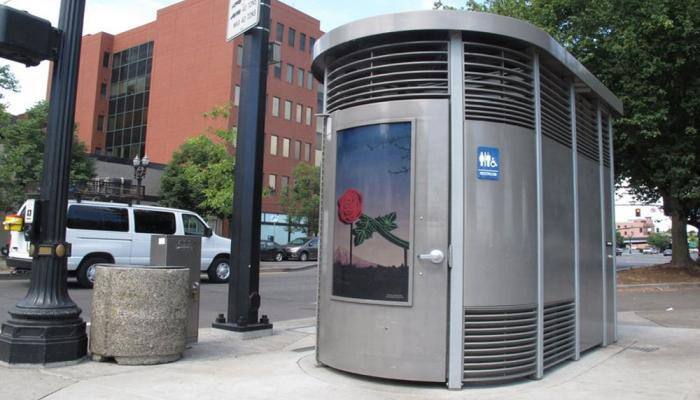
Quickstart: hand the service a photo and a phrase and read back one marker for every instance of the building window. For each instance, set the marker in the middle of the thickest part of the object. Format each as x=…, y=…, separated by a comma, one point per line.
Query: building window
x=239, y=55
x=128, y=101
x=272, y=181
x=100, y=122
x=273, y=145
x=298, y=113
x=278, y=70
x=309, y=80
x=312, y=41
x=297, y=149
x=103, y=89
x=284, y=182
x=300, y=77
x=307, y=152
x=279, y=33
x=319, y=124
x=290, y=73
x=285, y=147
x=236, y=95
x=308, y=115
x=291, y=37
x=287, y=110
x=105, y=59
x=275, y=106
x=302, y=41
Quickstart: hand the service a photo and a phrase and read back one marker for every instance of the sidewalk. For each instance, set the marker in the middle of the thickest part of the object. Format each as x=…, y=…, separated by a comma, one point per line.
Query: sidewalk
x=648, y=362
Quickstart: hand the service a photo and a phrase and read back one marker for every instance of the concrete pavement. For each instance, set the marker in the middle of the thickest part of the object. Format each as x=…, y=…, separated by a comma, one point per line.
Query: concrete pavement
x=648, y=362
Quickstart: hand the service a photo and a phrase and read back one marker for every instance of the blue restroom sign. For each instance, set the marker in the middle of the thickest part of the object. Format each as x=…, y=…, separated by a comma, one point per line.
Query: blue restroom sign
x=488, y=163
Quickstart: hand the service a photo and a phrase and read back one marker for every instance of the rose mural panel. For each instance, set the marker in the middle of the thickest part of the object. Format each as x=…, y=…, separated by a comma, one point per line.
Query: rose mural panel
x=372, y=229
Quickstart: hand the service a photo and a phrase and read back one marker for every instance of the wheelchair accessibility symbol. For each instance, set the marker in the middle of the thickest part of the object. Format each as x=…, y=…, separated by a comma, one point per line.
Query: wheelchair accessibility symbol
x=488, y=163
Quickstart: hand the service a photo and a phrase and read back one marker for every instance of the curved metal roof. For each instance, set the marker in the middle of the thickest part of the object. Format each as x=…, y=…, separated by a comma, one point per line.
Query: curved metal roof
x=466, y=21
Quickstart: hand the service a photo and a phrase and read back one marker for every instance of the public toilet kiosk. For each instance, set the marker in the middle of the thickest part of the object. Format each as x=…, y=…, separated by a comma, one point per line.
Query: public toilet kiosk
x=467, y=200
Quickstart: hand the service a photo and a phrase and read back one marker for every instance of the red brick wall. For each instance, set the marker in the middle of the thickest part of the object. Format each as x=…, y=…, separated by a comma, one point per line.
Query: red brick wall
x=193, y=71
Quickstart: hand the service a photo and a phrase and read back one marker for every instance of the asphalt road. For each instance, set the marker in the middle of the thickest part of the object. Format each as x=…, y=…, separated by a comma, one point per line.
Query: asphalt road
x=285, y=296
x=627, y=261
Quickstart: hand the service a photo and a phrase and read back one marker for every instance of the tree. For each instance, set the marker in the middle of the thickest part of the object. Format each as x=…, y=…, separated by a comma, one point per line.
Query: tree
x=300, y=201
x=647, y=52
x=7, y=80
x=199, y=177
x=661, y=241
x=619, y=239
x=21, y=157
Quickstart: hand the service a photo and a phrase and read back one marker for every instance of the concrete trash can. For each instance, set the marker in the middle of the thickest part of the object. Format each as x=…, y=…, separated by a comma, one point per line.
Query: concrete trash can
x=139, y=314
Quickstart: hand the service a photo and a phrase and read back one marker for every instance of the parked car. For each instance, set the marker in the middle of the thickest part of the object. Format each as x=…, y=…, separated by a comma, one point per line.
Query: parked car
x=302, y=249
x=650, y=250
x=618, y=251
x=668, y=252
x=116, y=233
x=271, y=251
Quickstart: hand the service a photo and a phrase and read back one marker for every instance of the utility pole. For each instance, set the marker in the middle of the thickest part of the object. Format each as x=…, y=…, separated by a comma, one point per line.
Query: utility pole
x=243, y=296
x=45, y=327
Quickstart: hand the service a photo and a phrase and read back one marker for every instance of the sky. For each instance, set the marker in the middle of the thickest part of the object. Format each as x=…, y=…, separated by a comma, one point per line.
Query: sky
x=115, y=16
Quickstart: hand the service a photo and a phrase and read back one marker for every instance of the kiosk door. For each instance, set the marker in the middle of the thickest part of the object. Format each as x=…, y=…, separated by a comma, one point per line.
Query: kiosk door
x=383, y=297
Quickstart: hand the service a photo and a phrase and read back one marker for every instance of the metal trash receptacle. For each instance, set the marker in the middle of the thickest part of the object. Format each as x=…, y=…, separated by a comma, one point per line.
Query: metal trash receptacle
x=182, y=251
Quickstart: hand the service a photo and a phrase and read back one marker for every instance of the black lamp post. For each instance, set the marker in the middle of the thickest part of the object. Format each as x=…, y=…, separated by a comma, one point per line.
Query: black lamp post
x=140, y=165
x=45, y=327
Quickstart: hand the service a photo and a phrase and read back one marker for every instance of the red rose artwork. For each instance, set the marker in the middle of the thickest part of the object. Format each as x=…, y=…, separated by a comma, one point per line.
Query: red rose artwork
x=350, y=206
x=350, y=210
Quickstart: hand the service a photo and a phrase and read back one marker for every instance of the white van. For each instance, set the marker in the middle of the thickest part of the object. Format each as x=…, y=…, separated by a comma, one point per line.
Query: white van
x=116, y=233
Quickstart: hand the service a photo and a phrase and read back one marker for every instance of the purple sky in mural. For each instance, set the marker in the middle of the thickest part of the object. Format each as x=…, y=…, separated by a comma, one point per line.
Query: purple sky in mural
x=376, y=161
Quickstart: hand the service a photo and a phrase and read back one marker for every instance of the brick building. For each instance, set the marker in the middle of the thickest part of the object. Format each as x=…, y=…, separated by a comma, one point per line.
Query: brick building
x=144, y=91
x=636, y=232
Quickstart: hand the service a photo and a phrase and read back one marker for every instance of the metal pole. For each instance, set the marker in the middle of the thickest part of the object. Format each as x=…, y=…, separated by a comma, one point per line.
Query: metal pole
x=540, y=215
x=604, y=261
x=243, y=296
x=577, y=238
x=46, y=326
x=457, y=179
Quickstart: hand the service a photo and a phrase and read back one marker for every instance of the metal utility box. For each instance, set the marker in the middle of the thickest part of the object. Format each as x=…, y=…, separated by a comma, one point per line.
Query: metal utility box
x=467, y=200
x=182, y=251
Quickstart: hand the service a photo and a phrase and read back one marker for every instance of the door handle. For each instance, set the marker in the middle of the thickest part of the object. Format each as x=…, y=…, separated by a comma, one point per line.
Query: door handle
x=435, y=256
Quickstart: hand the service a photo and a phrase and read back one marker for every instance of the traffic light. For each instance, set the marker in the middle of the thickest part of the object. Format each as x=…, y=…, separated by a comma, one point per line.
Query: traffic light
x=637, y=212
x=25, y=38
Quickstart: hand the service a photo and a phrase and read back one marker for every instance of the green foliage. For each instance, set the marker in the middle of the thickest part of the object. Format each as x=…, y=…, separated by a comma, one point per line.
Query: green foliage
x=383, y=225
x=7, y=80
x=199, y=177
x=647, y=52
x=21, y=156
x=619, y=239
x=693, y=240
x=661, y=241
x=301, y=199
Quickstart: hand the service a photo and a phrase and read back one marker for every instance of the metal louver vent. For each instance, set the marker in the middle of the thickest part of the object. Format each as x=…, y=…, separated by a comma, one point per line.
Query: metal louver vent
x=606, y=141
x=586, y=129
x=556, y=112
x=499, y=343
x=559, y=332
x=498, y=85
x=391, y=70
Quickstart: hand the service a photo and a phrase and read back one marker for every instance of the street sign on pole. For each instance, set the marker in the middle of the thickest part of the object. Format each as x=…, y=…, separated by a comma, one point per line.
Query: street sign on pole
x=242, y=16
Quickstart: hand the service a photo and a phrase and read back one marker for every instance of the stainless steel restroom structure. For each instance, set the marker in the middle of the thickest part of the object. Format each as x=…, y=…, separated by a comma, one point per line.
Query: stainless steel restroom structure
x=467, y=200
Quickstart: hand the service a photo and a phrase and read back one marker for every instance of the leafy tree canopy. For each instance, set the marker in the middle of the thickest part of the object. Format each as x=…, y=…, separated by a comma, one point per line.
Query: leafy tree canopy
x=648, y=53
x=199, y=176
x=7, y=80
x=21, y=155
x=661, y=241
x=301, y=199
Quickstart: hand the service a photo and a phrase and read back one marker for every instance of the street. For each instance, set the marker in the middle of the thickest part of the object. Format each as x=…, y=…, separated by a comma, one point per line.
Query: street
x=285, y=296
x=636, y=260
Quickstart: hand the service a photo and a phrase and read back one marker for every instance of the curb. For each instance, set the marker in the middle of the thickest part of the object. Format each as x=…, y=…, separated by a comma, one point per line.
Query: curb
x=7, y=276
x=678, y=285
x=288, y=269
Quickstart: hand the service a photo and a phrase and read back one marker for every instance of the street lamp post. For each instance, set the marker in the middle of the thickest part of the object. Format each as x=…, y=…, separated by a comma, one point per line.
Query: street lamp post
x=140, y=165
x=45, y=327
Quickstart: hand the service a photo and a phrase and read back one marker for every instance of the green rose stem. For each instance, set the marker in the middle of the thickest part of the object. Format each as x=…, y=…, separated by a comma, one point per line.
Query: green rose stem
x=391, y=238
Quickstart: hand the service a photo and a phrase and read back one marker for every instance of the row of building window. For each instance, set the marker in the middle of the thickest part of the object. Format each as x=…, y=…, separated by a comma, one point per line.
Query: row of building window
x=303, y=78
x=299, y=114
x=296, y=150
x=292, y=38
x=272, y=182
